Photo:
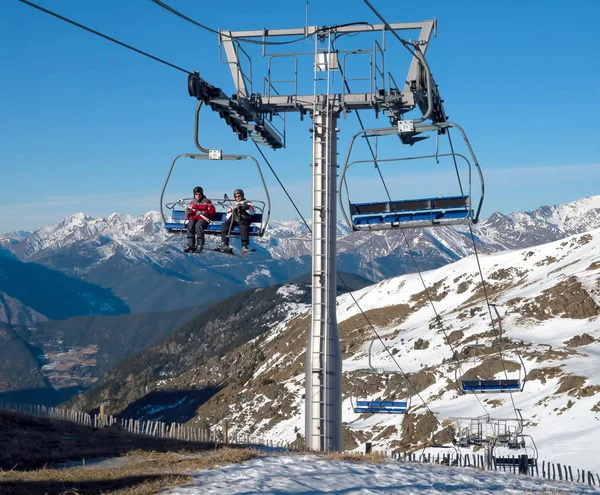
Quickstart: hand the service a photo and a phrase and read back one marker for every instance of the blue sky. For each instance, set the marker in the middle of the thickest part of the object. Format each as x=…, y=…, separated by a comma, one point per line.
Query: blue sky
x=90, y=126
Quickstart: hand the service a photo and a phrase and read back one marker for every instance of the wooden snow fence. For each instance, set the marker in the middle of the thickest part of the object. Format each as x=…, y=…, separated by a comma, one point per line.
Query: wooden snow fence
x=223, y=434
x=219, y=434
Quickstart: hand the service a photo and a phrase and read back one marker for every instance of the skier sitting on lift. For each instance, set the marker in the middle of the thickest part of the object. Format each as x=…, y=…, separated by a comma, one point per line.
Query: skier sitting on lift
x=239, y=214
x=198, y=213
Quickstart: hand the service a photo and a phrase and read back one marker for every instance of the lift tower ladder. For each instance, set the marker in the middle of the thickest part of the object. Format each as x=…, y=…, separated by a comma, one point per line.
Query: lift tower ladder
x=323, y=357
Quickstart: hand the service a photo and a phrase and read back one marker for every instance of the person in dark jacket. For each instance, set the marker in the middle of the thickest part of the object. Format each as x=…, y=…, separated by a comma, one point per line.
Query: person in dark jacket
x=240, y=213
x=198, y=213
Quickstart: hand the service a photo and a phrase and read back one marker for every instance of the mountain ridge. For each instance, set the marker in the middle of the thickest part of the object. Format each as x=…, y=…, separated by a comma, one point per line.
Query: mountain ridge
x=115, y=251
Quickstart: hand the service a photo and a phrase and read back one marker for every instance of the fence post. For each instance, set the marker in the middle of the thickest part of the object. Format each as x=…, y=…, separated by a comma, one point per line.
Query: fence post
x=523, y=464
x=368, y=447
x=225, y=429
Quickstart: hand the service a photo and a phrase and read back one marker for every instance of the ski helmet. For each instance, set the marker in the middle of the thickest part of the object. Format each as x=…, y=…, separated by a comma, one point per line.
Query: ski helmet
x=198, y=189
x=238, y=191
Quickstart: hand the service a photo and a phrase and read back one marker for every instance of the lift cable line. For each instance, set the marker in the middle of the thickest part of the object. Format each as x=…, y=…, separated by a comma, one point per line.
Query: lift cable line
x=98, y=33
x=349, y=291
x=437, y=316
x=484, y=286
x=281, y=184
x=239, y=117
x=170, y=9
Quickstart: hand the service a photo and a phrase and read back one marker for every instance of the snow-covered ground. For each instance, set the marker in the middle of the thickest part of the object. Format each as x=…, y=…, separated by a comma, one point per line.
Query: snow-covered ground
x=563, y=421
x=309, y=474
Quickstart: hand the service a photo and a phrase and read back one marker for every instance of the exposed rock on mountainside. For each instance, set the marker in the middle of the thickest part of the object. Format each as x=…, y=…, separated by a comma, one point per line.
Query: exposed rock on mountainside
x=207, y=338
x=550, y=320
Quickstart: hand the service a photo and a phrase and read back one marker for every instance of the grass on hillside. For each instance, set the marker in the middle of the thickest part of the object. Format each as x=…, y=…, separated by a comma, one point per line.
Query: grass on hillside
x=30, y=442
x=144, y=473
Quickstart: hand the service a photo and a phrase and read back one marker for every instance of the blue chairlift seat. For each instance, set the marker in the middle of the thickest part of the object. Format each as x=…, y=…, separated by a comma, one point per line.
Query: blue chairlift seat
x=483, y=386
x=178, y=223
x=411, y=213
x=386, y=407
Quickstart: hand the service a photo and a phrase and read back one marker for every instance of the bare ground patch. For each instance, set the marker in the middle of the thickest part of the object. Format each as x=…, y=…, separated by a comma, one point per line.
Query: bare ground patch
x=548, y=260
x=542, y=355
x=570, y=384
x=544, y=374
x=507, y=273
x=454, y=337
x=487, y=370
x=580, y=340
x=420, y=299
x=567, y=299
x=356, y=329
x=463, y=286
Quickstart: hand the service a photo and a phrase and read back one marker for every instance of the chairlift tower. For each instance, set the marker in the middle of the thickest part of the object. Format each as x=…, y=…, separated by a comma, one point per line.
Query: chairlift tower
x=251, y=113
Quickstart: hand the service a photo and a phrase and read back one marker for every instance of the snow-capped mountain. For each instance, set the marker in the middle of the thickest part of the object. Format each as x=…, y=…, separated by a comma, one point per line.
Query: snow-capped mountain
x=144, y=266
x=549, y=338
x=542, y=225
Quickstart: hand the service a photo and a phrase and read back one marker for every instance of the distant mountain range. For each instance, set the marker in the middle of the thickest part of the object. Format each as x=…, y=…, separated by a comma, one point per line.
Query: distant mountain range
x=104, y=277
x=144, y=267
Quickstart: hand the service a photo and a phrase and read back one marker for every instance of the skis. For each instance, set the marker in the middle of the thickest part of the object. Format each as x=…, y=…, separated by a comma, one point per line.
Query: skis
x=230, y=251
x=217, y=250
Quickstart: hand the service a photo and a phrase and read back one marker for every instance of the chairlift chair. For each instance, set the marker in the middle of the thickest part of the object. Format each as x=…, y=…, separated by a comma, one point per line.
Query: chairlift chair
x=418, y=212
x=379, y=406
x=478, y=385
x=173, y=213
x=431, y=449
x=507, y=449
x=472, y=431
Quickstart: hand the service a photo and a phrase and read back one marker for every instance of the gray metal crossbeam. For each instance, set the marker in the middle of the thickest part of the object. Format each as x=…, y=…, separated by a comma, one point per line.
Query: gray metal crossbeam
x=310, y=30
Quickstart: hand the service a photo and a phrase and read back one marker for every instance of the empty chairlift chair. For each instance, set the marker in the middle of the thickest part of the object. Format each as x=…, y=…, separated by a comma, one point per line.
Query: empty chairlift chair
x=508, y=450
x=384, y=401
x=419, y=212
x=478, y=355
x=472, y=431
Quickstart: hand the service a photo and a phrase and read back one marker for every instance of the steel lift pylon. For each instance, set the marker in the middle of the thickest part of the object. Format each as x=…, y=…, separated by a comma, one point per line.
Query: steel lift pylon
x=250, y=115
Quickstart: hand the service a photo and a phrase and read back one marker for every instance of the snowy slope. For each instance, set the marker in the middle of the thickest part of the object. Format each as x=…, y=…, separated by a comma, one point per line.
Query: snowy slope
x=312, y=475
x=549, y=297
